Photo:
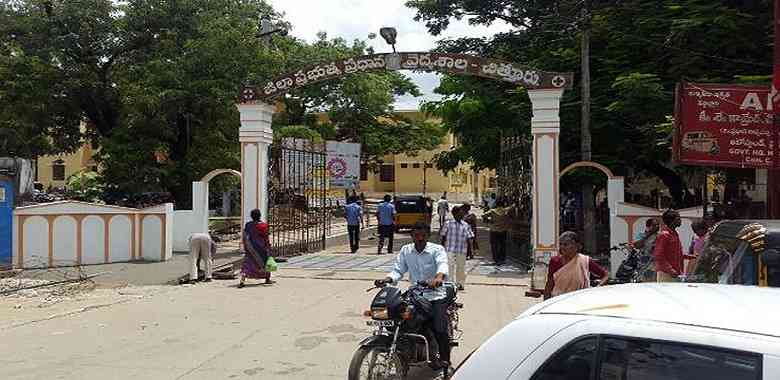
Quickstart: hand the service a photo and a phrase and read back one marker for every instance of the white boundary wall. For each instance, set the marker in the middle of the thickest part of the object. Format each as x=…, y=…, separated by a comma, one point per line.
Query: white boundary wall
x=626, y=220
x=72, y=233
x=188, y=222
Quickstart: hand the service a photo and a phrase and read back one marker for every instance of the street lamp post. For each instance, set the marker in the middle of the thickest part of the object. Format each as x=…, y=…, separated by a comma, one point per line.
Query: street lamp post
x=425, y=178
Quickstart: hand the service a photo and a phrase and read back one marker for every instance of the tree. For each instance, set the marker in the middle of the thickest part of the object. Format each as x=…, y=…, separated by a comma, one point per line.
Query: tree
x=156, y=82
x=360, y=106
x=640, y=50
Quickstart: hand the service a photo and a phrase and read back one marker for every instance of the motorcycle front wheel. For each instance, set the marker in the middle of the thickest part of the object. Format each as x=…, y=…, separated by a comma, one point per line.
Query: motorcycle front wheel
x=376, y=363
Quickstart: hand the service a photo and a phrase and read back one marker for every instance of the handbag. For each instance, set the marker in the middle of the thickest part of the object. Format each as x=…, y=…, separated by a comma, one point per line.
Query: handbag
x=271, y=265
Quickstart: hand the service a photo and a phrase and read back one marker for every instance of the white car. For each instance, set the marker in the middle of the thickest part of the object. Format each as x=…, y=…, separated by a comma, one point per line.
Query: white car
x=639, y=332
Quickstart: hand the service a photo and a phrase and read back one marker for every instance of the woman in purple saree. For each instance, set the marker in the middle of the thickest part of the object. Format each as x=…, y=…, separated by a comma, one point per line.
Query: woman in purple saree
x=256, y=250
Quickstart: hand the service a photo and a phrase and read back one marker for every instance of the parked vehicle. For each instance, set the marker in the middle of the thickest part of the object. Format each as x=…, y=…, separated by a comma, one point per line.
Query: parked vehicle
x=401, y=338
x=638, y=331
x=634, y=267
x=412, y=209
x=745, y=252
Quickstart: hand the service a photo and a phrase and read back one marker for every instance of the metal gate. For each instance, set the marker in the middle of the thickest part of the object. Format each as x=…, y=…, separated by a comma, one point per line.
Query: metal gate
x=299, y=215
x=6, y=218
x=514, y=171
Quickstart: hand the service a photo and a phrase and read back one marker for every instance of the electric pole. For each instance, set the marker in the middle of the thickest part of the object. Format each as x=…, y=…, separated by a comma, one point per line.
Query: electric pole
x=588, y=204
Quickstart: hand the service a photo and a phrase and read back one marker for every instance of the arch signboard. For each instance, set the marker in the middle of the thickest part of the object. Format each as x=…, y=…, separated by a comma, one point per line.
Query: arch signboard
x=545, y=89
x=462, y=64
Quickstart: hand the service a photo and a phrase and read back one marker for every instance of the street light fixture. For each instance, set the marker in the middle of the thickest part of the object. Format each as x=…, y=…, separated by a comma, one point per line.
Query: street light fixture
x=389, y=34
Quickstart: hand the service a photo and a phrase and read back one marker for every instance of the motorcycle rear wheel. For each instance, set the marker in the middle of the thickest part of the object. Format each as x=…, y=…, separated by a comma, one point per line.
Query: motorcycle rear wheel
x=376, y=363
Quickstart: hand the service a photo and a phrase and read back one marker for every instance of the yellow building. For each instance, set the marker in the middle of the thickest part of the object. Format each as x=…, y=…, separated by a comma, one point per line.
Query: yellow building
x=53, y=171
x=402, y=174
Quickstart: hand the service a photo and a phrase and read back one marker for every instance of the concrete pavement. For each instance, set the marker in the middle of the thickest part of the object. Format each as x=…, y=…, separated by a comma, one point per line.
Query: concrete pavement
x=296, y=329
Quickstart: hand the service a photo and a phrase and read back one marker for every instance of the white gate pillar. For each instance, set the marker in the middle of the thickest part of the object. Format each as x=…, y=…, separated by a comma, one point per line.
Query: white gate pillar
x=255, y=136
x=545, y=127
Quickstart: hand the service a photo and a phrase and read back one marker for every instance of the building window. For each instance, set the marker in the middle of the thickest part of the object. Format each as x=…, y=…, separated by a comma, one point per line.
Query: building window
x=404, y=166
x=387, y=173
x=416, y=166
x=58, y=170
x=363, y=172
x=429, y=165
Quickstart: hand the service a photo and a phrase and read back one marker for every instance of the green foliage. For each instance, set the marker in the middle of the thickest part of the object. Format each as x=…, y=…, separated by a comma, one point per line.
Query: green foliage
x=84, y=186
x=157, y=82
x=640, y=49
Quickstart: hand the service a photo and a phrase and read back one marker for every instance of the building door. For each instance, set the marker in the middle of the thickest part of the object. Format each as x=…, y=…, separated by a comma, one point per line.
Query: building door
x=6, y=217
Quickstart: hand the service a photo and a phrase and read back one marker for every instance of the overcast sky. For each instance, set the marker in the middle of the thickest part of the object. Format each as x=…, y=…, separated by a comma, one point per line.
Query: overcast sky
x=355, y=19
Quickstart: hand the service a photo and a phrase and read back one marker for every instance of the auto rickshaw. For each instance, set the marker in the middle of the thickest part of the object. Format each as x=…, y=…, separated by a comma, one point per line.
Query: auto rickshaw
x=412, y=209
x=744, y=252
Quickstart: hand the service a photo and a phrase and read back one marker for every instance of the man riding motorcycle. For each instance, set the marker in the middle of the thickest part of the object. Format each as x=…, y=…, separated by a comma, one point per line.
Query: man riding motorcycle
x=426, y=261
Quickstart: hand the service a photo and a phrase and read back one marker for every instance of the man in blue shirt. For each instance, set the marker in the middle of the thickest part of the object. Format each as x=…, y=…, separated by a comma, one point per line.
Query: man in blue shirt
x=354, y=215
x=426, y=261
x=385, y=215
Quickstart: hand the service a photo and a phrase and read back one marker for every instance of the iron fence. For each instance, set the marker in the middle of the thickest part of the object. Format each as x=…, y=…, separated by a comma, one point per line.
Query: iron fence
x=299, y=213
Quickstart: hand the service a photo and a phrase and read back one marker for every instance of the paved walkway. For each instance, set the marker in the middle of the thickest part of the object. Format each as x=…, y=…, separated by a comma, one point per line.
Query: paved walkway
x=383, y=263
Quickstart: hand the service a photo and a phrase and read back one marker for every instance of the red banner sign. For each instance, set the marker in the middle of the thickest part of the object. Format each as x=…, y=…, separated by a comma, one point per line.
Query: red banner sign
x=724, y=125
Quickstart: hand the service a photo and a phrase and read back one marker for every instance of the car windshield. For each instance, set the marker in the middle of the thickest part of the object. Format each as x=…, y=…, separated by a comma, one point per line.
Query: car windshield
x=725, y=260
x=405, y=205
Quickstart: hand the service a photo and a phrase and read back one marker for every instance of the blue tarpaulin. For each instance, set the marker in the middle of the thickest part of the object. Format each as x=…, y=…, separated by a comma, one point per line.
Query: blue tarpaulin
x=6, y=218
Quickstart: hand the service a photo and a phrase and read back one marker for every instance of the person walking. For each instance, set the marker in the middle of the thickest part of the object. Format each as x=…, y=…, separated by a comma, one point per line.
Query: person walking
x=668, y=251
x=257, y=249
x=457, y=238
x=500, y=223
x=471, y=218
x=645, y=243
x=700, y=229
x=491, y=202
x=385, y=215
x=201, y=248
x=571, y=270
x=442, y=209
x=354, y=215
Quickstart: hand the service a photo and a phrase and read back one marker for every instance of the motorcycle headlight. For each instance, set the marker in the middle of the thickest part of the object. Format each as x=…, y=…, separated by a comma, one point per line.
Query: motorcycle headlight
x=380, y=313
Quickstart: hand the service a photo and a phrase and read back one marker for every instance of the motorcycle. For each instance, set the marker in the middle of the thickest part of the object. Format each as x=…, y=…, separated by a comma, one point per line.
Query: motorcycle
x=401, y=337
x=632, y=269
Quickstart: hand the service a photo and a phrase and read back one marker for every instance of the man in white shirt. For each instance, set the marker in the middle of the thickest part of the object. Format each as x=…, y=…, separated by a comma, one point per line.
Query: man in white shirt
x=426, y=261
x=457, y=238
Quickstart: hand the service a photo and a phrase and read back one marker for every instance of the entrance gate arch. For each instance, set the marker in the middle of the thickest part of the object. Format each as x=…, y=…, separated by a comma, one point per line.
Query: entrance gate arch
x=615, y=195
x=545, y=90
x=200, y=197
